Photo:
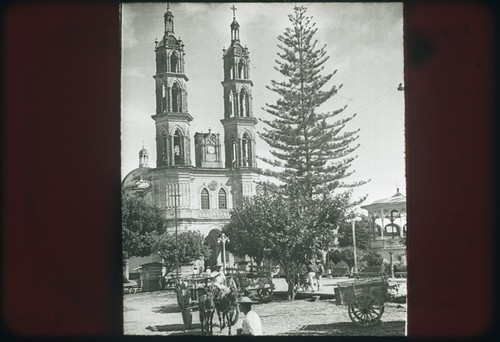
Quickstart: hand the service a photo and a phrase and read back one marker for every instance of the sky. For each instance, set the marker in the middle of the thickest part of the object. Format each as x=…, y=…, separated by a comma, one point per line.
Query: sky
x=365, y=45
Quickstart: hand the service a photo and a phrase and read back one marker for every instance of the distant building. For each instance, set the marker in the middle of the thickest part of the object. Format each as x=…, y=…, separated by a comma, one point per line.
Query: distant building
x=389, y=226
x=224, y=168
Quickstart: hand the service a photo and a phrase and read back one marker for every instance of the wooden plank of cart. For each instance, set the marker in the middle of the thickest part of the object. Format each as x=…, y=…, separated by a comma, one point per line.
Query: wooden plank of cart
x=187, y=296
x=257, y=281
x=365, y=299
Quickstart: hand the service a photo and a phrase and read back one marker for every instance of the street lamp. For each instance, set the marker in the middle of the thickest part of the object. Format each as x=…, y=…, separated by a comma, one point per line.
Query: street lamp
x=223, y=238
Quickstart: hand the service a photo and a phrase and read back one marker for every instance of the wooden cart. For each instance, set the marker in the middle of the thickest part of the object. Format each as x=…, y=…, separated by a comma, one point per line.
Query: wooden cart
x=365, y=299
x=259, y=283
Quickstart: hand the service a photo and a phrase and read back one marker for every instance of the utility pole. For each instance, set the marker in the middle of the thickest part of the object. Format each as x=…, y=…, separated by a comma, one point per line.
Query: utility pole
x=175, y=196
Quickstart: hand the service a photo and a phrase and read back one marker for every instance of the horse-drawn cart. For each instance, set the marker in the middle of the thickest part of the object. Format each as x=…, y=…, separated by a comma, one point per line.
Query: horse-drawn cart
x=259, y=282
x=200, y=294
x=364, y=298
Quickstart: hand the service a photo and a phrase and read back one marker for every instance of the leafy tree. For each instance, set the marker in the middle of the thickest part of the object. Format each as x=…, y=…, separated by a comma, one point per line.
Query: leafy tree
x=142, y=223
x=288, y=230
x=312, y=148
x=373, y=258
x=364, y=231
x=346, y=254
x=191, y=247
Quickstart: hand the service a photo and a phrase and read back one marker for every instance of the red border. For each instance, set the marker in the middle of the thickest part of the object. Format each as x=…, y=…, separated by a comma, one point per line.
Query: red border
x=61, y=177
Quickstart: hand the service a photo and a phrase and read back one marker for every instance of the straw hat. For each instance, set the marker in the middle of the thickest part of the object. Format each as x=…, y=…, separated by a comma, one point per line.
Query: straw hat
x=246, y=300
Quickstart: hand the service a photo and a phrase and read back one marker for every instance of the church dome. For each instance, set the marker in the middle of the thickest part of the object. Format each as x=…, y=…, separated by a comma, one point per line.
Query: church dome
x=235, y=48
x=169, y=39
x=235, y=23
x=136, y=179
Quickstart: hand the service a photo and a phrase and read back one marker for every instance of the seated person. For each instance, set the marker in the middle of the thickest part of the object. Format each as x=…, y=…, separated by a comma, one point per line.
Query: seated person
x=219, y=279
x=251, y=323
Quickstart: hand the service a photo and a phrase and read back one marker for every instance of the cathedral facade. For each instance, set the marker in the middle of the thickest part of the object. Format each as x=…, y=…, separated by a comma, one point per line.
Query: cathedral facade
x=199, y=188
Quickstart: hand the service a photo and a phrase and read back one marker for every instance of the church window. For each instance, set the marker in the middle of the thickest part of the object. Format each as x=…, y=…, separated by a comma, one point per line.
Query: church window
x=205, y=199
x=222, y=199
x=178, y=148
x=176, y=98
x=173, y=62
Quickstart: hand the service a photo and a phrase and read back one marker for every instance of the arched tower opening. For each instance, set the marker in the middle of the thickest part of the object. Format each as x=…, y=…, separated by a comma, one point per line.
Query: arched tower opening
x=174, y=62
x=176, y=98
x=241, y=69
x=178, y=148
x=246, y=150
x=244, y=105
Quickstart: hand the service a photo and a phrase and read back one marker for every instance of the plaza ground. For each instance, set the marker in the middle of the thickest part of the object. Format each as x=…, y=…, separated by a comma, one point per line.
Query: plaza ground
x=157, y=313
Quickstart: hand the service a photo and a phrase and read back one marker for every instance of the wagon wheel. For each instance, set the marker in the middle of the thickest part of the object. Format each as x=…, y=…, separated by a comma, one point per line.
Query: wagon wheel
x=265, y=294
x=187, y=318
x=366, y=310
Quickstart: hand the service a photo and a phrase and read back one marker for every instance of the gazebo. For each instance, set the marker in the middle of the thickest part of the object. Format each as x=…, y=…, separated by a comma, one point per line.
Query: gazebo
x=389, y=225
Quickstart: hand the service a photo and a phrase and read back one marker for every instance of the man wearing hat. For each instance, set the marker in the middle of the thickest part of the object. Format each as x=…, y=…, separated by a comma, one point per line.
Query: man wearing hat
x=251, y=323
x=219, y=276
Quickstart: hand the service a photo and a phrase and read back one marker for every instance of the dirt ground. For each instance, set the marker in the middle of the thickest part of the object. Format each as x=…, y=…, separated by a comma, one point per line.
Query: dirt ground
x=157, y=313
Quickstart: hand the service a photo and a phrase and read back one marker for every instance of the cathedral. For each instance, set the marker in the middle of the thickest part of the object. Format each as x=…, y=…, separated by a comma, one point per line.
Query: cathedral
x=198, y=190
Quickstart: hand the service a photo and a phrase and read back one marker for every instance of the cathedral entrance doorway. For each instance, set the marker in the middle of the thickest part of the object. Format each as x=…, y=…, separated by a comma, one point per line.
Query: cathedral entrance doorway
x=215, y=247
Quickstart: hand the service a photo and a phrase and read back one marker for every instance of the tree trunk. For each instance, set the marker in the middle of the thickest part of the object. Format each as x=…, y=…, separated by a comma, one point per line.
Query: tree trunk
x=292, y=289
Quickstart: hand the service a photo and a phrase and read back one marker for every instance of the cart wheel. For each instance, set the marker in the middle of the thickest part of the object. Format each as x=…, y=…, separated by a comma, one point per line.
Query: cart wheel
x=187, y=318
x=234, y=314
x=366, y=310
x=265, y=294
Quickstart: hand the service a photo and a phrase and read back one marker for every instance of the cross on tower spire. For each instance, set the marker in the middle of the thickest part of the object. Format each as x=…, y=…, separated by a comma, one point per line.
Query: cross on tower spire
x=234, y=11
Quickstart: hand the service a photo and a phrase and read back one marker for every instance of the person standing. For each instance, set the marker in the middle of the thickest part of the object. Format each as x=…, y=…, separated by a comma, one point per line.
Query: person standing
x=311, y=274
x=251, y=323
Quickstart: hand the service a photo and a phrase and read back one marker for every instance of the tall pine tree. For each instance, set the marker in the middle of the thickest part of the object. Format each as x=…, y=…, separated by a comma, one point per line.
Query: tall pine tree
x=312, y=148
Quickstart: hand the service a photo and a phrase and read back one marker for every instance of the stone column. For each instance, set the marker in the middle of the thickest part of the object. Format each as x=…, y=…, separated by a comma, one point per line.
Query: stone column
x=383, y=225
x=171, y=150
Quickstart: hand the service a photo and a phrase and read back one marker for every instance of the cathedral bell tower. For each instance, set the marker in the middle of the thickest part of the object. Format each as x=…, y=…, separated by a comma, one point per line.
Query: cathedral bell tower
x=172, y=119
x=239, y=122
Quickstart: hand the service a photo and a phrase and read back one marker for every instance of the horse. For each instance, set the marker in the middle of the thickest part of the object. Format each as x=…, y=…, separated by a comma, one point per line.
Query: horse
x=206, y=308
x=226, y=305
